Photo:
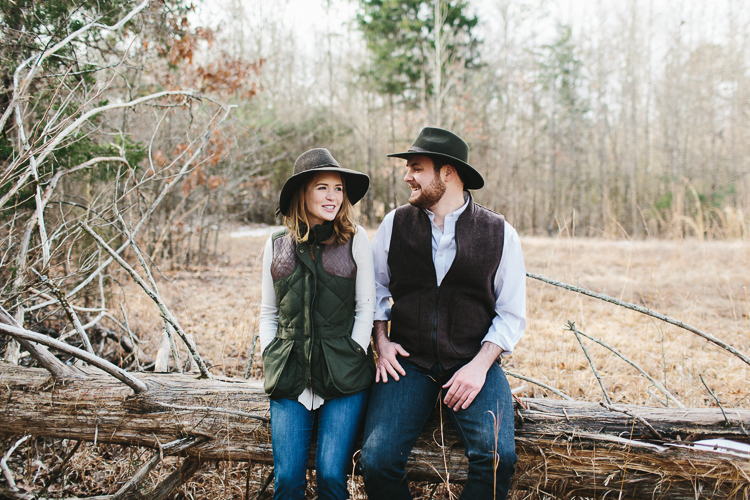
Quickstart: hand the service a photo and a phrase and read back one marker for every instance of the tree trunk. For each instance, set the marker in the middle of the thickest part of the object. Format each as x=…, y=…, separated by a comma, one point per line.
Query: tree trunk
x=565, y=448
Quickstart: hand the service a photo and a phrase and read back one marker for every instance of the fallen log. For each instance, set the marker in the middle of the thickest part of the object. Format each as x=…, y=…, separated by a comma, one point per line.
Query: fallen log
x=565, y=448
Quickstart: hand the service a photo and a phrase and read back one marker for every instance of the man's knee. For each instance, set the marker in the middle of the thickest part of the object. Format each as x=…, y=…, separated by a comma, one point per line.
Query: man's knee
x=379, y=458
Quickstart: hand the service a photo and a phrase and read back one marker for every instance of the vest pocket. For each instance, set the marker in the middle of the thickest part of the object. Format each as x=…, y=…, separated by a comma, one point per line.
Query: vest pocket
x=408, y=326
x=469, y=325
x=343, y=368
x=282, y=377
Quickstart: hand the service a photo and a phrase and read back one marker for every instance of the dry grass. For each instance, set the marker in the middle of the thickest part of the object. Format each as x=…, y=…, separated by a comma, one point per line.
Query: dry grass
x=703, y=283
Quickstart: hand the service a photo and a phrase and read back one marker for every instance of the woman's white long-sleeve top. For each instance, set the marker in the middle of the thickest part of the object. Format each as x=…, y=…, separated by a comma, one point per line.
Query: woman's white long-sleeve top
x=364, y=304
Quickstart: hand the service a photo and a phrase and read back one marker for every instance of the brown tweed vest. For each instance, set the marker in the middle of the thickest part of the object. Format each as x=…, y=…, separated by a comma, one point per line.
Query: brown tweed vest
x=444, y=324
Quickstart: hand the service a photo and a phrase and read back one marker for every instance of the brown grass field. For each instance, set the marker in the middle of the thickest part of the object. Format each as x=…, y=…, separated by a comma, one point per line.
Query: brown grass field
x=702, y=283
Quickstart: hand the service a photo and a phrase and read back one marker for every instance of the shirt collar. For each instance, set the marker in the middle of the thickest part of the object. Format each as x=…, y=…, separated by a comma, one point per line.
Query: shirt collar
x=456, y=213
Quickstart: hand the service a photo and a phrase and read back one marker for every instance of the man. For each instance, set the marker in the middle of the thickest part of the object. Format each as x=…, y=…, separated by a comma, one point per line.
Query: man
x=455, y=272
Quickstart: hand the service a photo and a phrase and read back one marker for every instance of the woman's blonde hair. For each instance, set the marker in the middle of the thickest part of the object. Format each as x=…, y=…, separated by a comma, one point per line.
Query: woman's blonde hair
x=299, y=226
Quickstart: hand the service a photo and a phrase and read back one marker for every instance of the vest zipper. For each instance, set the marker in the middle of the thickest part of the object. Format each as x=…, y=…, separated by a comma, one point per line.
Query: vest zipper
x=435, y=324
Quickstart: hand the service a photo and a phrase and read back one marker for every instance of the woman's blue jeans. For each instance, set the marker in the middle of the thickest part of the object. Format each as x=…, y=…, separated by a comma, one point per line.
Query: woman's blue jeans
x=397, y=413
x=338, y=422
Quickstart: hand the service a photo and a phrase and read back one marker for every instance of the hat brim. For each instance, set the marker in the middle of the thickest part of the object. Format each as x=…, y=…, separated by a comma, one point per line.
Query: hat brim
x=472, y=178
x=357, y=184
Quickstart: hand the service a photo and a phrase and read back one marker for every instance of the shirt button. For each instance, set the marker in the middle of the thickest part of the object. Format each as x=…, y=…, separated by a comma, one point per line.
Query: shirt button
x=440, y=254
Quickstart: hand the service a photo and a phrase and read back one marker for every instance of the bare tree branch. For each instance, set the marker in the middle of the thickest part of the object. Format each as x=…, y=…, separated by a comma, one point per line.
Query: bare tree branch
x=165, y=313
x=72, y=316
x=19, y=90
x=171, y=448
x=117, y=372
x=651, y=379
x=572, y=327
x=4, y=464
x=50, y=146
x=643, y=310
x=540, y=384
x=57, y=368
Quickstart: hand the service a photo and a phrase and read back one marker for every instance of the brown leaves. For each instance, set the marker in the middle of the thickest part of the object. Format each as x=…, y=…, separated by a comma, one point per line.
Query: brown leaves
x=230, y=75
x=183, y=46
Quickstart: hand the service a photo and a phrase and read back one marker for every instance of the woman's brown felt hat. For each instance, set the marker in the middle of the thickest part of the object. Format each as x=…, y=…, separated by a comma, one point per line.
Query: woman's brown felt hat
x=450, y=149
x=321, y=160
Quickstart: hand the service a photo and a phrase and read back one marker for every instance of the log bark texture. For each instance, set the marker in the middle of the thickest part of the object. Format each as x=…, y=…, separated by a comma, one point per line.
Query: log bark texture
x=565, y=448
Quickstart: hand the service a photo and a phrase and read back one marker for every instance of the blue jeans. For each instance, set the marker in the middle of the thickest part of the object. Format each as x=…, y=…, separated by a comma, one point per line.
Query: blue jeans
x=339, y=420
x=399, y=409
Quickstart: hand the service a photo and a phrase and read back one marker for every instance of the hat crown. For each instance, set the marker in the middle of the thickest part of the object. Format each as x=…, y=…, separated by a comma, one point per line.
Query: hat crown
x=438, y=140
x=314, y=158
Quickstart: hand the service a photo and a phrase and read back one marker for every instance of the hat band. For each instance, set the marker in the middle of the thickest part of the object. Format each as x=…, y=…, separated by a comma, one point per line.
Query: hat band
x=417, y=149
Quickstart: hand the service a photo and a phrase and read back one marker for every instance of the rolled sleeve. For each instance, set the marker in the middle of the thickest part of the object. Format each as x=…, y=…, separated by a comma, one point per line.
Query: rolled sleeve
x=510, y=295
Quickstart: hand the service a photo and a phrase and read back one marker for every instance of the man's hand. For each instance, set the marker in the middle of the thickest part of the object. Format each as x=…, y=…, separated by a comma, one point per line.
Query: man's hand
x=387, y=352
x=466, y=383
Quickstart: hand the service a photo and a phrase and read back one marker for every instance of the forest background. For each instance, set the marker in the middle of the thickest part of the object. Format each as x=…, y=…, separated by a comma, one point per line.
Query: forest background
x=624, y=119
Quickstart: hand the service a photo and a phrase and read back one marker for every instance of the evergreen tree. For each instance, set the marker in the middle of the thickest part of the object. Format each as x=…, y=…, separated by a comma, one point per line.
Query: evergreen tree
x=401, y=33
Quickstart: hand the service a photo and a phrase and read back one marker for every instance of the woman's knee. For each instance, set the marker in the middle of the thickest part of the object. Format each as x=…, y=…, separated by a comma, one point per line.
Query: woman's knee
x=289, y=482
x=331, y=479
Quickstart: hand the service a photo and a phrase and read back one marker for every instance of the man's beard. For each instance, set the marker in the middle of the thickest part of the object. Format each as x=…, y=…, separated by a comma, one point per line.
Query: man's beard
x=430, y=195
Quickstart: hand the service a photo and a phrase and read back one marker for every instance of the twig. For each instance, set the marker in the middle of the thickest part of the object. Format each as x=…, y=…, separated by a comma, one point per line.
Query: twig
x=664, y=403
x=117, y=372
x=265, y=485
x=177, y=478
x=40, y=353
x=726, y=420
x=4, y=465
x=156, y=298
x=50, y=146
x=168, y=449
x=217, y=410
x=183, y=170
x=643, y=310
x=630, y=413
x=152, y=282
x=623, y=441
x=540, y=384
x=572, y=328
x=249, y=370
x=88, y=325
x=18, y=91
x=72, y=316
x=131, y=337
x=54, y=473
x=663, y=389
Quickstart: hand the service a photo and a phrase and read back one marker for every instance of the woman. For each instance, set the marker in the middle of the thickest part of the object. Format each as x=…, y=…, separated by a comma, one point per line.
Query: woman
x=316, y=317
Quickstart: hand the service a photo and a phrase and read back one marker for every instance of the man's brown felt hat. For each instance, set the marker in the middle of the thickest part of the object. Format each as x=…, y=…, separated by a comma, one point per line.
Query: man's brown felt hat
x=447, y=147
x=321, y=160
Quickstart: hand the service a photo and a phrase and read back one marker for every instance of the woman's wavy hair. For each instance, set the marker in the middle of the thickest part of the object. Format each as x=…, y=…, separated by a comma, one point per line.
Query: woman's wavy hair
x=299, y=226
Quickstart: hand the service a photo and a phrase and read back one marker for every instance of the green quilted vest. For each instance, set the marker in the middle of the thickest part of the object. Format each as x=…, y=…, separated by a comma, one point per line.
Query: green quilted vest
x=315, y=291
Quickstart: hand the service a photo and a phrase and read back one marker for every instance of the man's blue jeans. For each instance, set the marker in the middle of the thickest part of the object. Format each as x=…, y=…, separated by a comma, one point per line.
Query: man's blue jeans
x=339, y=420
x=399, y=409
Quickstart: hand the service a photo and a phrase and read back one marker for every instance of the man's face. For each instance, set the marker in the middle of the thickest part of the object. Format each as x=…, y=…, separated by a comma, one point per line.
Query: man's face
x=427, y=188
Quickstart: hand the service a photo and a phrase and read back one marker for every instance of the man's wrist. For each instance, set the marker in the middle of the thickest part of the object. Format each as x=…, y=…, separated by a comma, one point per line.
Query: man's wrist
x=380, y=333
x=488, y=354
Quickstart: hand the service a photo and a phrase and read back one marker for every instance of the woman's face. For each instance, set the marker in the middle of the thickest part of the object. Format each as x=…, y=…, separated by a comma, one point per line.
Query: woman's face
x=323, y=197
